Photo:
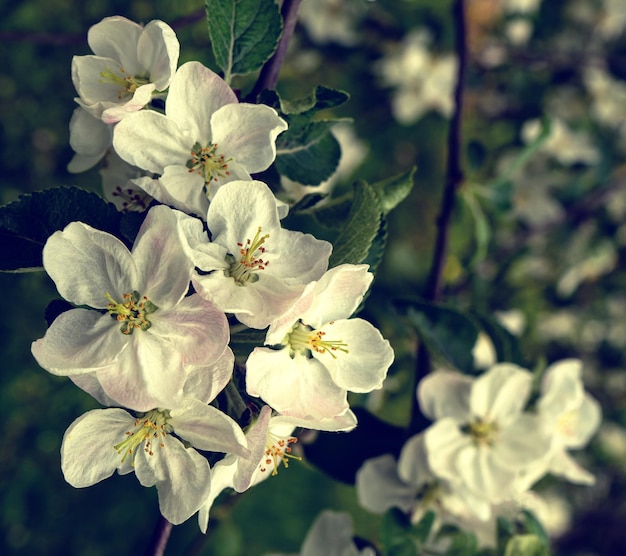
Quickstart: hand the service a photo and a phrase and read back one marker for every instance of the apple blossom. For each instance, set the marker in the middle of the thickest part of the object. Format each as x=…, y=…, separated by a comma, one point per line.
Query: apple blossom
x=252, y=267
x=481, y=435
x=144, y=336
x=205, y=139
x=129, y=64
x=316, y=353
x=105, y=440
x=90, y=138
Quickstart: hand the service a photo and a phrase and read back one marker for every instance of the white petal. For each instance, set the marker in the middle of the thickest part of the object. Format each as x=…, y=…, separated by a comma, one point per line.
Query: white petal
x=565, y=466
x=141, y=97
x=330, y=535
x=379, y=487
x=195, y=94
x=221, y=478
x=561, y=388
x=521, y=442
x=206, y=382
x=96, y=93
x=151, y=141
x=86, y=264
x=158, y=50
x=207, y=428
x=248, y=132
x=257, y=440
x=413, y=463
x=444, y=441
x=89, y=136
x=79, y=341
x=445, y=394
x=298, y=387
x=501, y=393
x=87, y=453
x=369, y=356
x=116, y=37
x=482, y=474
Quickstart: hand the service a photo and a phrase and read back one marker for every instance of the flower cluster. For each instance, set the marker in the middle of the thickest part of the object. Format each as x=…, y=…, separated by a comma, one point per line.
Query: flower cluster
x=485, y=448
x=149, y=333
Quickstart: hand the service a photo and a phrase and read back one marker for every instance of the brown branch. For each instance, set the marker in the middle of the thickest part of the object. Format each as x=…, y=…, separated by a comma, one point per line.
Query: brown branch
x=269, y=74
x=159, y=538
x=453, y=181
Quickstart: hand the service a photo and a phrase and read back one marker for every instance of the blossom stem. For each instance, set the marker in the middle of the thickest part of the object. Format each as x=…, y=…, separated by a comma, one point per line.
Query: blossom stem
x=269, y=74
x=159, y=538
x=454, y=180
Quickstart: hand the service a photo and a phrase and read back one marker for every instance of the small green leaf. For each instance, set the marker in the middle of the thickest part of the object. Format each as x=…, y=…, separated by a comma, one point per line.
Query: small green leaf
x=395, y=534
x=392, y=191
x=244, y=33
x=307, y=152
x=533, y=526
x=526, y=545
x=421, y=530
x=309, y=201
x=26, y=224
x=321, y=98
x=449, y=334
x=356, y=237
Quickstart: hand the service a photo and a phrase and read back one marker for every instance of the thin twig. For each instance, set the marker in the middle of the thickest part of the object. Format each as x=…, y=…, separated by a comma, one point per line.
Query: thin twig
x=269, y=74
x=159, y=538
x=454, y=179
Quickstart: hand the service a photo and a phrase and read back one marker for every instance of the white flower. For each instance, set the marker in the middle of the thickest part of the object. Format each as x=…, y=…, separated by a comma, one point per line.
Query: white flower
x=129, y=64
x=105, y=440
x=481, y=436
x=205, y=139
x=571, y=415
x=256, y=269
x=270, y=440
x=322, y=354
x=145, y=335
x=329, y=21
x=331, y=535
x=90, y=138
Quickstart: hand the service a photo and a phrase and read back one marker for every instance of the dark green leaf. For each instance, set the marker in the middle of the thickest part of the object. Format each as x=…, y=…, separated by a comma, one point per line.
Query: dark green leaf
x=533, y=526
x=392, y=191
x=526, y=545
x=356, y=237
x=421, y=530
x=244, y=33
x=335, y=212
x=449, y=334
x=321, y=98
x=506, y=344
x=308, y=202
x=395, y=534
x=26, y=224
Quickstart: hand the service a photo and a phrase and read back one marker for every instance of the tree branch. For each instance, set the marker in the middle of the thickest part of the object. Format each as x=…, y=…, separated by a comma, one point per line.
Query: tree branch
x=453, y=181
x=159, y=538
x=269, y=74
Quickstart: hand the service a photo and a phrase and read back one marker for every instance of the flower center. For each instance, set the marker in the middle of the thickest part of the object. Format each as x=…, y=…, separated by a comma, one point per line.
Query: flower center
x=127, y=83
x=483, y=432
x=207, y=162
x=250, y=260
x=277, y=450
x=132, y=312
x=303, y=340
x=133, y=199
x=153, y=425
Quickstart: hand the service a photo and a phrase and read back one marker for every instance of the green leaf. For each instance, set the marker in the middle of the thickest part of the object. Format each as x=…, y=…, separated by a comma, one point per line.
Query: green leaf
x=421, y=530
x=244, y=33
x=482, y=230
x=392, y=191
x=26, y=224
x=335, y=212
x=395, y=534
x=449, y=334
x=506, y=344
x=321, y=98
x=307, y=152
x=355, y=239
x=460, y=542
x=526, y=545
x=533, y=526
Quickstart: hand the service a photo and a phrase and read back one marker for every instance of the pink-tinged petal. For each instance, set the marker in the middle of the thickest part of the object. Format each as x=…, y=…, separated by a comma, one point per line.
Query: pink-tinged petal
x=86, y=264
x=363, y=367
x=248, y=132
x=561, y=388
x=148, y=374
x=521, y=442
x=257, y=440
x=195, y=94
x=413, y=463
x=88, y=454
x=141, y=97
x=298, y=387
x=379, y=487
x=181, y=475
x=445, y=394
x=79, y=341
x=337, y=294
x=158, y=50
x=88, y=382
x=195, y=328
x=116, y=37
x=163, y=265
x=208, y=428
x=204, y=383
x=444, y=441
x=151, y=141
x=344, y=422
x=482, y=474
x=501, y=393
